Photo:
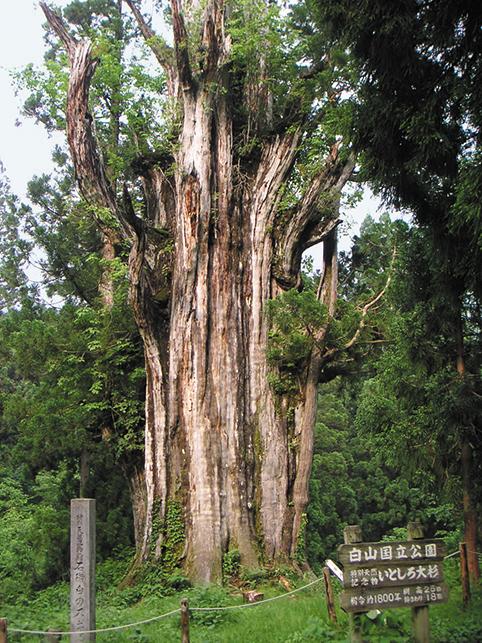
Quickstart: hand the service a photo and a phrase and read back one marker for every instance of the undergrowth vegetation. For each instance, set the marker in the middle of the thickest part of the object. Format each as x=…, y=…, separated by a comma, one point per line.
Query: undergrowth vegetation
x=291, y=618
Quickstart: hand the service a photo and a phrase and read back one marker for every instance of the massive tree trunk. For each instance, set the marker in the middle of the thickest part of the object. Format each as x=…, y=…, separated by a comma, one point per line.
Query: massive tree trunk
x=209, y=251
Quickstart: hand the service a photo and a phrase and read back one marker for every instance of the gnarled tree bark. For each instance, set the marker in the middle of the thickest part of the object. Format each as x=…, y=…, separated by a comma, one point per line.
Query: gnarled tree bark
x=206, y=256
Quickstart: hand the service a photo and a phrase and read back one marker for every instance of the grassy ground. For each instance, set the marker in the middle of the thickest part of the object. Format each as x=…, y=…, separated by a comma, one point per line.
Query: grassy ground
x=296, y=619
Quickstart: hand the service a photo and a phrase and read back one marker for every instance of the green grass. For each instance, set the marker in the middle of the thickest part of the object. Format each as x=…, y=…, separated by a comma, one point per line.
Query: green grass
x=291, y=619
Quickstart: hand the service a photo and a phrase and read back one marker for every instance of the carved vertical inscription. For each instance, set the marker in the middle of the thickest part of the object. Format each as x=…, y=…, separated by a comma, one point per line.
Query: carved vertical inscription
x=82, y=570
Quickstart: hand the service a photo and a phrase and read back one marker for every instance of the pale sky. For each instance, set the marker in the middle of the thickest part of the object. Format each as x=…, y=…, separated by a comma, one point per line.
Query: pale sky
x=25, y=147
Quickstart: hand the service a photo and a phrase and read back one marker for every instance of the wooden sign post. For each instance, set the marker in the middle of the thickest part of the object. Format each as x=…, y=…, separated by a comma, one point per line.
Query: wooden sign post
x=420, y=622
x=389, y=575
x=3, y=630
x=353, y=536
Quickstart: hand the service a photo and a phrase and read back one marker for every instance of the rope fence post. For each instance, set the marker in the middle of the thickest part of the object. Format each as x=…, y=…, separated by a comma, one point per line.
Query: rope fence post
x=184, y=620
x=3, y=630
x=464, y=568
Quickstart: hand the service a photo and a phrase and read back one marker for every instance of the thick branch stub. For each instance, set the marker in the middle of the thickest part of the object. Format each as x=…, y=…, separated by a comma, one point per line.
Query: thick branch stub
x=314, y=219
x=321, y=232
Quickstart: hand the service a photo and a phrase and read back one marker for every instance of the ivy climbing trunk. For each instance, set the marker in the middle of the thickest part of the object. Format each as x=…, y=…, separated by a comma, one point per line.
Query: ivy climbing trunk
x=211, y=248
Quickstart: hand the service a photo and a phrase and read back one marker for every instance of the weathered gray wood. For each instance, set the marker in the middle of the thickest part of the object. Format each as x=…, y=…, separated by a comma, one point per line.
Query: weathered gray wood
x=353, y=534
x=3, y=630
x=393, y=574
x=82, y=570
x=253, y=596
x=184, y=620
x=330, y=599
x=464, y=568
x=420, y=622
x=415, y=531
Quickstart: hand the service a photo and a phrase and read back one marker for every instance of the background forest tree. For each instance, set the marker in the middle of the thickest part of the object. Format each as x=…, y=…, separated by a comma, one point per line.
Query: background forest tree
x=373, y=466
x=71, y=386
x=417, y=127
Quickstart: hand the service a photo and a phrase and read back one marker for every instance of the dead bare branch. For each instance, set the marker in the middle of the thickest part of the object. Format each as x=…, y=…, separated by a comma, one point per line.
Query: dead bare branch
x=161, y=50
x=372, y=303
x=55, y=21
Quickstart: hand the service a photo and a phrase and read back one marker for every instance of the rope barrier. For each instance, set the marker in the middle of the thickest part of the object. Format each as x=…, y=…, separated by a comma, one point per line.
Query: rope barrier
x=266, y=600
x=107, y=629
x=193, y=609
x=457, y=553
x=177, y=611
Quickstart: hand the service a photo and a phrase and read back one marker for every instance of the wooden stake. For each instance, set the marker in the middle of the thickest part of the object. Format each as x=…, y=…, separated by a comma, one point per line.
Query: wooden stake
x=353, y=534
x=420, y=622
x=464, y=568
x=3, y=630
x=184, y=620
x=330, y=600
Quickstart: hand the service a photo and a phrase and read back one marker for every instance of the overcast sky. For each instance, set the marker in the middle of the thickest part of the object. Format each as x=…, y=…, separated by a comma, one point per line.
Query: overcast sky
x=25, y=147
